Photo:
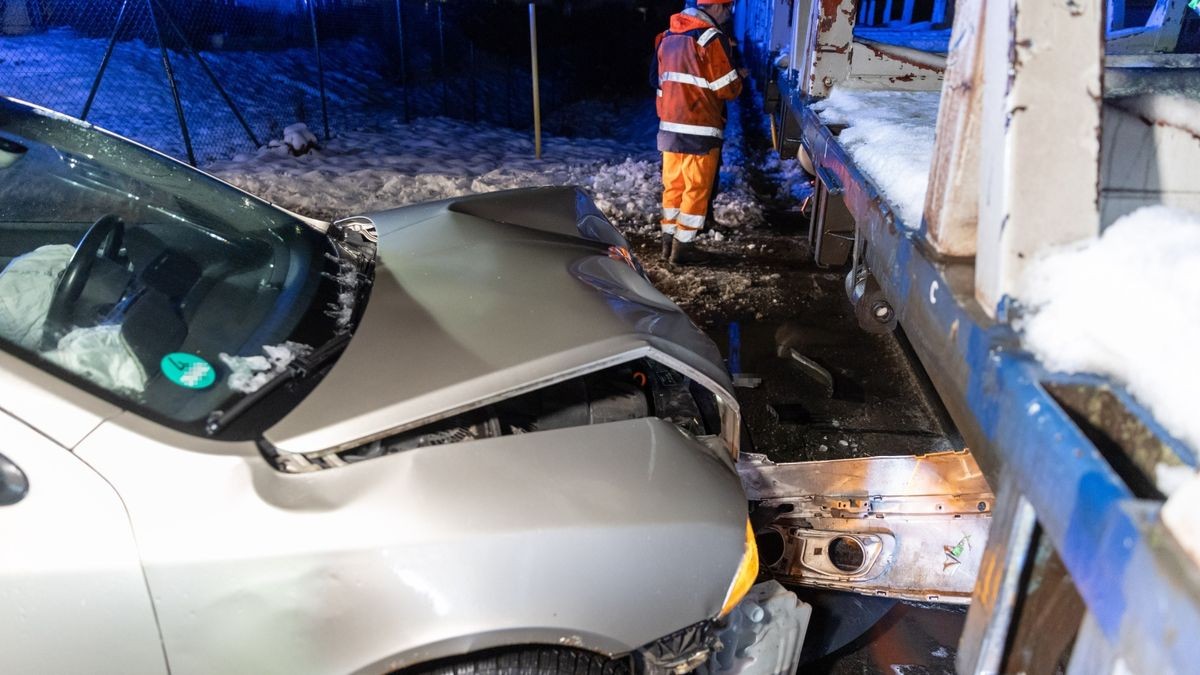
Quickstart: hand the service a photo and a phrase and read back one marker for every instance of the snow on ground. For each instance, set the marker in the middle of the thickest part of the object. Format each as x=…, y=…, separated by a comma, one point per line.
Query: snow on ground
x=375, y=161
x=272, y=88
x=736, y=204
x=889, y=137
x=389, y=163
x=1123, y=305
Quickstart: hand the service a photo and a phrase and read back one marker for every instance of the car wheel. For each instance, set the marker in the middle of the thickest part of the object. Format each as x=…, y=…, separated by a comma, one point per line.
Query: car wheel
x=528, y=661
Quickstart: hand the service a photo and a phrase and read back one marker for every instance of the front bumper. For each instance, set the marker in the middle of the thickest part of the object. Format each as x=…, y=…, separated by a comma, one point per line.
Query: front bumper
x=761, y=636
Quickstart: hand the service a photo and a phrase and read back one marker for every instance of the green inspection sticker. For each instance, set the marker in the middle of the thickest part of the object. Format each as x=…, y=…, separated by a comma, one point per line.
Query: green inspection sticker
x=188, y=370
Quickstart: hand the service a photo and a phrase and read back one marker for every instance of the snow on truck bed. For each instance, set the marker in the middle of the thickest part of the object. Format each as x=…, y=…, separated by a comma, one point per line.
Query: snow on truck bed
x=890, y=138
x=1124, y=305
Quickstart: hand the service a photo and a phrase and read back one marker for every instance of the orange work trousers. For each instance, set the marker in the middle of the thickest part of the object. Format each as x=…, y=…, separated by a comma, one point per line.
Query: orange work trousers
x=687, y=185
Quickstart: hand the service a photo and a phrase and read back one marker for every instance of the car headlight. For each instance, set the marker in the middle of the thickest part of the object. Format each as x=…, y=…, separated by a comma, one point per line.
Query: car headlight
x=747, y=573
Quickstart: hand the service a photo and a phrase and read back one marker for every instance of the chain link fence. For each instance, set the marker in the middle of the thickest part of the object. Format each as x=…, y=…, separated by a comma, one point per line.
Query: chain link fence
x=206, y=79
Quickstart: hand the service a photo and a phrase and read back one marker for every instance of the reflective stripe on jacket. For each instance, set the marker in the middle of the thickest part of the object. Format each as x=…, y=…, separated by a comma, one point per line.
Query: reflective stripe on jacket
x=694, y=76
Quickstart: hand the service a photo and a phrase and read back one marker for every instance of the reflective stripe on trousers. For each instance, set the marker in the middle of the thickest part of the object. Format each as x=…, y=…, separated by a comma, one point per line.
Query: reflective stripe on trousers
x=687, y=183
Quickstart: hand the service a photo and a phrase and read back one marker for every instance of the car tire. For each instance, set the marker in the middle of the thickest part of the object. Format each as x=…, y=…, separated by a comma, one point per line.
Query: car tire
x=529, y=661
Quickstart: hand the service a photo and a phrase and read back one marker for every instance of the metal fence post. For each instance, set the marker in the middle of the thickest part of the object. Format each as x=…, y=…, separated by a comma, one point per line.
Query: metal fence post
x=166, y=62
x=472, y=84
x=209, y=73
x=403, y=63
x=112, y=42
x=442, y=53
x=537, y=106
x=312, y=17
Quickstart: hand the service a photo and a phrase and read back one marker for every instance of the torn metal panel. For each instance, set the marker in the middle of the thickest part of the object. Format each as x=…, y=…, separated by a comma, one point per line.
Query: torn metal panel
x=905, y=476
x=985, y=633
x=1040, y=136
x=882, y=66
x=903, y=527
x=830, y=37
x=952, y=198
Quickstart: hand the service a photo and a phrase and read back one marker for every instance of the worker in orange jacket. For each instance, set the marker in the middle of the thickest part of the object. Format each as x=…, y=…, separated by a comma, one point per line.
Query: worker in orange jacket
x=694, y=76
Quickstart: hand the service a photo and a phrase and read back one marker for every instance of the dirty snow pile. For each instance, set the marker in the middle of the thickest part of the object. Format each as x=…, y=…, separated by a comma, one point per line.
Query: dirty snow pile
x=736, y=204
x=1124, y=305
x=890, y=138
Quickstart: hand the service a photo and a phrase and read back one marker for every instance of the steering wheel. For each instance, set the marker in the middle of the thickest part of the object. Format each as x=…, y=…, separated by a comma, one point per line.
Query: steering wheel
x=103, y=238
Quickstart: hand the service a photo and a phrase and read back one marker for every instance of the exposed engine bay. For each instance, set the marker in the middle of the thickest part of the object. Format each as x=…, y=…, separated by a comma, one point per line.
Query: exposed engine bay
x=638, y=389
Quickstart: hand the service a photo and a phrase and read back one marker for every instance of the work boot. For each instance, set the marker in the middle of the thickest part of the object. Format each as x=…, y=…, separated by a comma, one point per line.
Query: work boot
x=667, y=238
x=686, y=253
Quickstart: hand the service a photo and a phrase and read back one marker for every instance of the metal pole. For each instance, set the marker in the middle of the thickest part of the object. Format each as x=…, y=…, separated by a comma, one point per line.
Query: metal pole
x=312, y=18
x=442, y=54
x=166, y=62
x=112, y=42
x=939, y=12
x=537, y=105
x=473, y=84
x=508, y=89
x=403, y=63
x=208, y=71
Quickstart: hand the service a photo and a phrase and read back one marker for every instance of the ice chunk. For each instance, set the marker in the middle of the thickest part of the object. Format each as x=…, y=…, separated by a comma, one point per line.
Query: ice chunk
x=247, y=374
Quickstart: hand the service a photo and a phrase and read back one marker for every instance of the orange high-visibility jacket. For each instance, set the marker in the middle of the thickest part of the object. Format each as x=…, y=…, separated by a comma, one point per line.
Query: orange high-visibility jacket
x=694, y=77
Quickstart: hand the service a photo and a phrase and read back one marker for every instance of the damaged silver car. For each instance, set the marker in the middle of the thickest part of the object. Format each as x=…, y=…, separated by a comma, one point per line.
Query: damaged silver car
x=466, y=435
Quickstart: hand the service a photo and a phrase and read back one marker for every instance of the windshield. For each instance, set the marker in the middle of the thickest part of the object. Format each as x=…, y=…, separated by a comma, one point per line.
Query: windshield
x=148, y=282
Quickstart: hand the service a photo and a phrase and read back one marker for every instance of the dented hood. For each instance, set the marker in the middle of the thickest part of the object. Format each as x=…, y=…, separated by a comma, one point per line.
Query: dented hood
x=479, y=298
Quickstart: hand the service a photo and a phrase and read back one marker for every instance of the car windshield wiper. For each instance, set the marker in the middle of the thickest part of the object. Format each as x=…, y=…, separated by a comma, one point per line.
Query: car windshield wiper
x=298, y=369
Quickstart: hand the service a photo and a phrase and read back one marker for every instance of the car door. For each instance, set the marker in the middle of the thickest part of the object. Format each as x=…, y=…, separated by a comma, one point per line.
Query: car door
x=72, y=595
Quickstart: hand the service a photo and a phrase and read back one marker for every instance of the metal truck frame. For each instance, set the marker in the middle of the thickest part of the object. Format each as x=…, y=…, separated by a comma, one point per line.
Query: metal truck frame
x=1079, y=570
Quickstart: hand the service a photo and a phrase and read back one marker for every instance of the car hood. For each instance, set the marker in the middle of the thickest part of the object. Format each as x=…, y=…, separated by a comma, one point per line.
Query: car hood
x=468, y=308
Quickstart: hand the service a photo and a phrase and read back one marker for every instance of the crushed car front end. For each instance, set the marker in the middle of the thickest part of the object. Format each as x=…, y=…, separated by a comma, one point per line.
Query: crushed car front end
x=498, y=433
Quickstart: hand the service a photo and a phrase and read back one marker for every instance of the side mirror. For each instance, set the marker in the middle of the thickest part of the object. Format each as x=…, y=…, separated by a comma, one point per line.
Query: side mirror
x=10, y=152
x=13, y=483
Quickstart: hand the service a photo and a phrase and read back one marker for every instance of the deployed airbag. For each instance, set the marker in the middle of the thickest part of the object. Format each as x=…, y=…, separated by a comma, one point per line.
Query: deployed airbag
x=100, y=354
x=26, y=289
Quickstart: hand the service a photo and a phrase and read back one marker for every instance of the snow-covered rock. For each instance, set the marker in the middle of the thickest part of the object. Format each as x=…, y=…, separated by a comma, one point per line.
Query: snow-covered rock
x=299, y=139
